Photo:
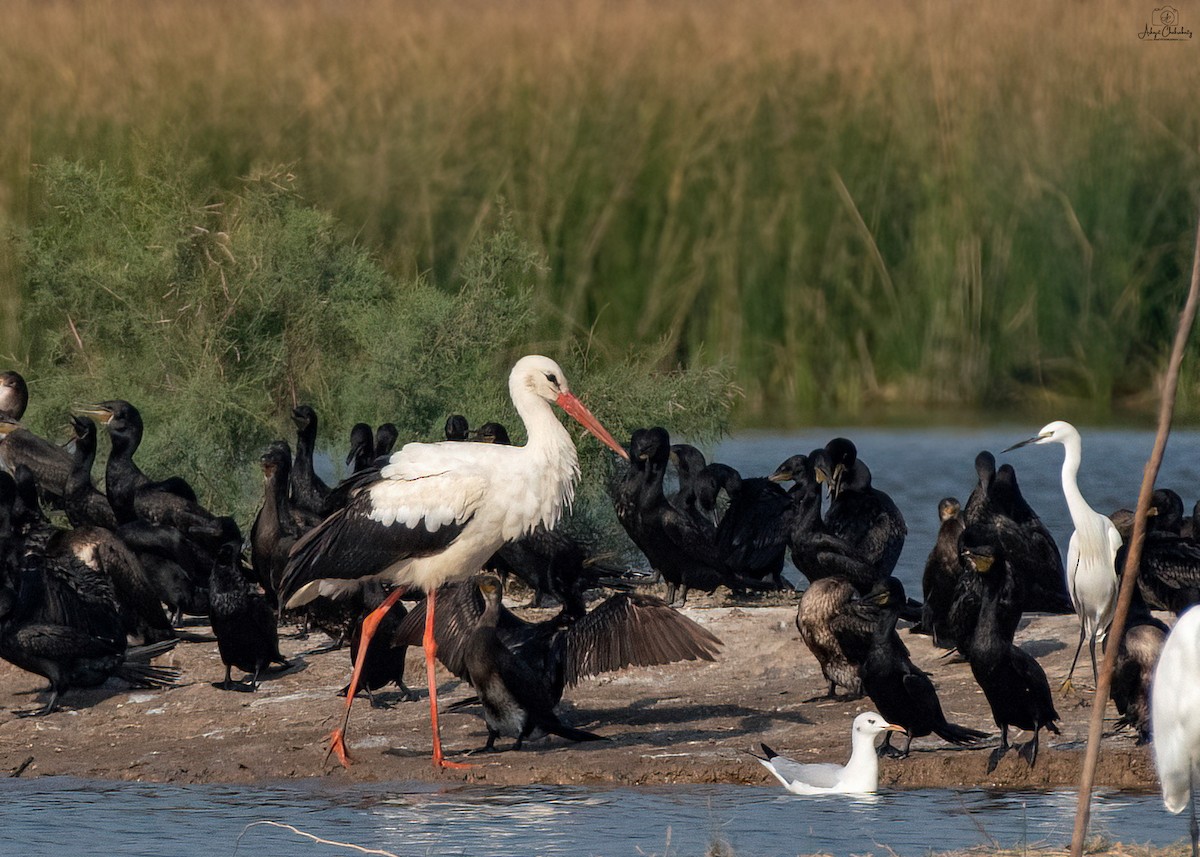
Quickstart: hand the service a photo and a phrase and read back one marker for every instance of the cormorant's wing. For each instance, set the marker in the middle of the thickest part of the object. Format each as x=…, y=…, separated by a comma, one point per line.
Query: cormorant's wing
x=633, y=630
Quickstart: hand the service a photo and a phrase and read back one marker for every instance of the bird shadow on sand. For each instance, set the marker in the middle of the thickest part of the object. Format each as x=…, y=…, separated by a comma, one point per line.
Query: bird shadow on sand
x=700, y=721
x=1041, y=648
x=296, y=665
x=80, y=698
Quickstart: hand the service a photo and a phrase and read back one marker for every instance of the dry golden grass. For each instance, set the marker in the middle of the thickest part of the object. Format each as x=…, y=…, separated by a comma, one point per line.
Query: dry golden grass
x=856, y=202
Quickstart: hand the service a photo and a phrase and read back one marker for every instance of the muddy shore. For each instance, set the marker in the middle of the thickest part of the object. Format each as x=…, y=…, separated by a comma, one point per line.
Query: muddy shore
x=684, y=723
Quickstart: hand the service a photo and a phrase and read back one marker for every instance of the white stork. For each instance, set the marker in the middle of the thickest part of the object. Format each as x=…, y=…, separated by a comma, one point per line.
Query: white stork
x=436, y=511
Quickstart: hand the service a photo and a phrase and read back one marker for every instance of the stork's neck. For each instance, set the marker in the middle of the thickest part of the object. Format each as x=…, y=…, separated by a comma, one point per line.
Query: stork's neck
x=553, y=462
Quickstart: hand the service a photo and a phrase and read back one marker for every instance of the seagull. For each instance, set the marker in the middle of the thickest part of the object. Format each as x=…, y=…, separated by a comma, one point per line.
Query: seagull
x=859, y=776
x=1176, y=729
x=1092, y=552
x=435, y=512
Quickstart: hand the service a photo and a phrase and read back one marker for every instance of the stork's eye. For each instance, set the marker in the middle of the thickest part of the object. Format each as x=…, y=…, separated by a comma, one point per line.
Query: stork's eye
x=552, y=378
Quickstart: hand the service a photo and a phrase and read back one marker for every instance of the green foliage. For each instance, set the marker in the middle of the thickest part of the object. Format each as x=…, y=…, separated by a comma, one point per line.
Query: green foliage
x=215, y=310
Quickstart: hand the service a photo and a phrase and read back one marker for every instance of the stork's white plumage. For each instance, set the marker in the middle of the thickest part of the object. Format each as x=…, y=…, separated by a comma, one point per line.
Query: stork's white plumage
x=1174, y=697
x=1092, y=552
x=436, y=511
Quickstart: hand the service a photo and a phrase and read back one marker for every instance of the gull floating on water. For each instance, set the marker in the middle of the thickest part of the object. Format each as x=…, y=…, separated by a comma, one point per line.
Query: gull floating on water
x=859, y=776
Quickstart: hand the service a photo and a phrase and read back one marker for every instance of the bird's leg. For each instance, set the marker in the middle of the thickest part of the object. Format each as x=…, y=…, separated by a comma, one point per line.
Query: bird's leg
x=1067, y=687
x=1092, y=651
x=1193, y=827
x=430, y=645
x=998, y=753
x=337, y=738
x=887, y=750
x=228, y=683
x=1030, y=750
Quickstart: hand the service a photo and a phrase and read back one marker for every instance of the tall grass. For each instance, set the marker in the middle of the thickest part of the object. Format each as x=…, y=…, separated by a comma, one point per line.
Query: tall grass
x=859, y=205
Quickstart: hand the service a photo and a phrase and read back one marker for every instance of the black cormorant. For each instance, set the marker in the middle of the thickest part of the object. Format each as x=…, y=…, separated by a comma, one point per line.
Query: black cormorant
x=981, y=540
x=491, y=433
x=678, y=545
x=1031, y=551
x=1012, y=681
x=1169, y=576
x=362, y=447
x=308, y=490
x=170, y=502
x=457, y=427
x=242, y=619
x=821, y=602
x=520, y=669
x=50, y=463
x=903, y=694
x=752, y=537
x=59, y=619
x=816, y=553
x=386, y=655
x=84, y=505
x=942, y=571
x=275, y=527
x=859, y=514
x=14, y=395
x=1133, y=673
x=386, y=435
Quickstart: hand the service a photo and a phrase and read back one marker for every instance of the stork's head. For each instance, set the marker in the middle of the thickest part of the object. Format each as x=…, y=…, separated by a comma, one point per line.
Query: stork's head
x=542, y=377
x=1055, y=432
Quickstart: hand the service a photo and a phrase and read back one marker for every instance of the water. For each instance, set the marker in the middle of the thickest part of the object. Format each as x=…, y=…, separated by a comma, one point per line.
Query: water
x=918, y=467
x=49, y=816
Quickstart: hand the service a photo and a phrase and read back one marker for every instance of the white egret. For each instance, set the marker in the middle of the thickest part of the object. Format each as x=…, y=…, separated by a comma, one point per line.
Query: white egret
x=1175, y=726
x=1091, y=573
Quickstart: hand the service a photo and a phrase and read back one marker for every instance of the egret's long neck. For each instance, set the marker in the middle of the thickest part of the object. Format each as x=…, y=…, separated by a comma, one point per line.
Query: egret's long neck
x=553, y=464
x=1076, y=505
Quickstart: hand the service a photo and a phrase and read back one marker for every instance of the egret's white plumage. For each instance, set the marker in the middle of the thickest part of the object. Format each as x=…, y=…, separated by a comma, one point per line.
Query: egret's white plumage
x=436, y=512
x=1175, y=716
x=858, y=776
x=1091, y=553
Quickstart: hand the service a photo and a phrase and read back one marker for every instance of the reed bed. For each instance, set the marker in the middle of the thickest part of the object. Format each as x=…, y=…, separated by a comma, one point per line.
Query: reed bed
x=858, y=205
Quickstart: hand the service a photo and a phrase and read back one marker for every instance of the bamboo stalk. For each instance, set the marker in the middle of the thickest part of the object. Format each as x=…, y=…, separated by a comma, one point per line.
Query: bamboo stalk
x=1133, y=558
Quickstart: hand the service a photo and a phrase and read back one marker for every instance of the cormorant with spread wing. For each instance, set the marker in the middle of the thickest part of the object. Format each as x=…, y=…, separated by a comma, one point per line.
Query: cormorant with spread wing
x=519, y=669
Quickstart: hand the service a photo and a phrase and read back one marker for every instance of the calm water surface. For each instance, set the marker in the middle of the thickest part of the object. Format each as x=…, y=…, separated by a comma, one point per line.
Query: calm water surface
x=57, y=815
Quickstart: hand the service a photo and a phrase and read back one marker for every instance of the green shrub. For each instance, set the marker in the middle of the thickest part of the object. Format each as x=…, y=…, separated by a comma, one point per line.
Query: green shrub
x=214, y=310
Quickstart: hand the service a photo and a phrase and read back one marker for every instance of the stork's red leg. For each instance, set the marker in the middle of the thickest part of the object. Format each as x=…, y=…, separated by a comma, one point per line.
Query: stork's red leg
x=430, y=646
x=337, y=738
